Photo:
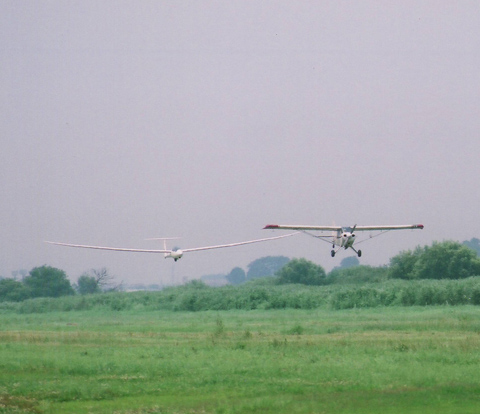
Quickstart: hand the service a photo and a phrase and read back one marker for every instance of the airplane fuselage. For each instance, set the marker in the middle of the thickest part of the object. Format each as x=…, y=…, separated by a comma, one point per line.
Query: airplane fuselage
x=344, y=238
x=175, y=254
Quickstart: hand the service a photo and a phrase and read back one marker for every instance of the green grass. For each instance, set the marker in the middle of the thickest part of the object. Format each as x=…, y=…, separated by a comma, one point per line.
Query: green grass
x=385, y=359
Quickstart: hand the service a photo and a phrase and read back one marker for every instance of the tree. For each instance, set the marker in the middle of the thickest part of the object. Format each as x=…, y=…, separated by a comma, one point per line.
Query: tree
x=87, y=285
x=266, y=266
x=301, y=271
x=358, y=274
x=13, y=291
x=402, y=266
x=445, y=260
x=473, y=244
x=19, y=274
x=236, y=276
x=48, y=281
x=347, y=262
x=96, y=280
x=350, y=261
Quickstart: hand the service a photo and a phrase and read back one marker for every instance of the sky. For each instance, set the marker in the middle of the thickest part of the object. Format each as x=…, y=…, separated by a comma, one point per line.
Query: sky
x=126, y=120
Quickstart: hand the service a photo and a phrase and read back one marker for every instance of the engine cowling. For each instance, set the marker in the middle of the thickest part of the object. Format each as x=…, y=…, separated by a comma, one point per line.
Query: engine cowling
x=348, y=239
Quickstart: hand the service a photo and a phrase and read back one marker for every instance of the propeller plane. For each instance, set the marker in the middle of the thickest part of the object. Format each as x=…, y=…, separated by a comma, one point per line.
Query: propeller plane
x=343, y=237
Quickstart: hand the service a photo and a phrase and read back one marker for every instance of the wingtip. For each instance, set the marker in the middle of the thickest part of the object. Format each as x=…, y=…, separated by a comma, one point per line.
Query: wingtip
x=271, y=226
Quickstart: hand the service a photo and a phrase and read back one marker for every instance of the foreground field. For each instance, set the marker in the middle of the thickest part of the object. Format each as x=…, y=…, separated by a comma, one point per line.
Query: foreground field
x=388, y=360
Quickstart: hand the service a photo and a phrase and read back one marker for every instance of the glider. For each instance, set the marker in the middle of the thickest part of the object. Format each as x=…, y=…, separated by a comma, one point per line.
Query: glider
x=175, y=253
x=341, y=236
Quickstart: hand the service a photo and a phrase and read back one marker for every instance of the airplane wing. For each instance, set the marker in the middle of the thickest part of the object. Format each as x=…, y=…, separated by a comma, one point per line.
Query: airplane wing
x=394, y=227
x=121, y=249
x=117, y=249
x=336, y=228
x=299, y=227
x=220, y=246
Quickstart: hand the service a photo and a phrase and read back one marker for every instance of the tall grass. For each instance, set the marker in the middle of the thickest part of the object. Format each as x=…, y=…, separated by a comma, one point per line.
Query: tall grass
x=266, y=295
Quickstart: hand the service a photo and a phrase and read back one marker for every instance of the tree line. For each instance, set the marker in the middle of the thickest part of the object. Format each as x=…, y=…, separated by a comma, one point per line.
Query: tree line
x=264, y=293
x=47, y=281
x=441, y=260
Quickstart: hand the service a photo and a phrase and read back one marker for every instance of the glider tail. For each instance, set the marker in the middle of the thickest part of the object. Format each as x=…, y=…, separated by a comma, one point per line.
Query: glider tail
x=168, y=252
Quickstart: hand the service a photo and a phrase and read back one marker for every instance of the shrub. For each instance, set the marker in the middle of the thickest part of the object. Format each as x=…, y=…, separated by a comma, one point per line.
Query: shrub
x=47, y=281
x=87, y=285
x=446, y=260
x=254, y=295
x=301, y=271
x=402, y=266
x=358, y=275
x=13, y=290
x=266, y=266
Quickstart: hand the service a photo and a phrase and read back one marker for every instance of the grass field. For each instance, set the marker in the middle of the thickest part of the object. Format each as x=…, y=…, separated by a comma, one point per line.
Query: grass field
x=380, y=360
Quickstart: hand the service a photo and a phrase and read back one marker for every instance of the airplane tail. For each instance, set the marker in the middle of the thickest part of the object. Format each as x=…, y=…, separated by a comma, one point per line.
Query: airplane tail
x=167, y=253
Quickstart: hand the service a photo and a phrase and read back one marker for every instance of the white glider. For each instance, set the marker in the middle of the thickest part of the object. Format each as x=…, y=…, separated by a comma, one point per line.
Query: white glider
x=175, y=254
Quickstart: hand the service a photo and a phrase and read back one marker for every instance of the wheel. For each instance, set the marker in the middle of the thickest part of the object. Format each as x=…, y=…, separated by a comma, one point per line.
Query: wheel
x=333, y=253
x=359, y=253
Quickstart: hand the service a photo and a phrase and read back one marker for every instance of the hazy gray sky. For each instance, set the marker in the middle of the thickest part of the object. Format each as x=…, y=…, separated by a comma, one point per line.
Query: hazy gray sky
x=122, y=120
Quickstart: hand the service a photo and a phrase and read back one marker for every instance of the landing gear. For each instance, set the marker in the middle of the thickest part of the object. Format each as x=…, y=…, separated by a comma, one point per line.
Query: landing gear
x=359, y=252
x=332, y=253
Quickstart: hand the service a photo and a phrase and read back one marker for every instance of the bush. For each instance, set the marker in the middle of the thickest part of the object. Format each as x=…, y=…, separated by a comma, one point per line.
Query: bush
x=413, y=293
x=402, y=266
x=87, y=285
x=446, y=260
x=358, y=275
x=48, y=281
x=266, y=266
x=364, y=297
x=13, y=291
x=255, y=295
x=301, y=271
